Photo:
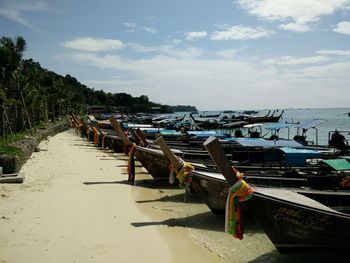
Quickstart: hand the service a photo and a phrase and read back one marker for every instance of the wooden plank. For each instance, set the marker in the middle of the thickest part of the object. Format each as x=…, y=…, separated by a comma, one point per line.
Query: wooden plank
x=120, y=132
x=142, y=137
x=135, y=136
x=217, y=154
x=95, y=125
x=168, y=153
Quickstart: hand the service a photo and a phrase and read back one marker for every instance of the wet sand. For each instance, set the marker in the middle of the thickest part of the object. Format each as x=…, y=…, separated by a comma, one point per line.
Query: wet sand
x=76, y=206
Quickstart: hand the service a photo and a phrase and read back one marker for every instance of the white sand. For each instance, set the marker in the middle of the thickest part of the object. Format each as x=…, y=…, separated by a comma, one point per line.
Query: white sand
x=55, y=217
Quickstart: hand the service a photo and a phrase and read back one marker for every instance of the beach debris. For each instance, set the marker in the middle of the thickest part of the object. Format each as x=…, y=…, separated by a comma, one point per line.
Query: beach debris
x=14, y=178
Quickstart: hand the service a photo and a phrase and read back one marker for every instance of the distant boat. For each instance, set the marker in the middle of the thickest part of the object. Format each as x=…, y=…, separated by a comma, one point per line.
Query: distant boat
x=210, y=115
x=346, y=113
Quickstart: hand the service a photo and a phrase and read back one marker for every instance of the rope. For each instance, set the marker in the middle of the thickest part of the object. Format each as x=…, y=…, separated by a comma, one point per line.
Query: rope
x=96, y=139
x=104, y=140
x=171, y=174
x=79, y=129
x=131, y=164
x=345, y=182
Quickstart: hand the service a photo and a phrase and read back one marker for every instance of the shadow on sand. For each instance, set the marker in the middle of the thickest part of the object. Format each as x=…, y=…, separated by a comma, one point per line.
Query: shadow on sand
x=147, y=183
x=108, y=182
x=178, y=198
x=126, y=165
x=204, y=221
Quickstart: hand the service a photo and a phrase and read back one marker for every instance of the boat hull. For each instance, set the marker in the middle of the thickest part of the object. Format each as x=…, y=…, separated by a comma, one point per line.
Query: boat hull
x=295, y=227
x=154, y=161
x=213, y=192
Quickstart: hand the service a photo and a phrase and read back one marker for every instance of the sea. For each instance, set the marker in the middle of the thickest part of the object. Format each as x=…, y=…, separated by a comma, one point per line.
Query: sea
x=332, y=118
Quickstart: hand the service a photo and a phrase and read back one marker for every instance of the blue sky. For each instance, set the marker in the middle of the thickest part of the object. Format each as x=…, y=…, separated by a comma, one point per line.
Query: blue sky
x=243, y=54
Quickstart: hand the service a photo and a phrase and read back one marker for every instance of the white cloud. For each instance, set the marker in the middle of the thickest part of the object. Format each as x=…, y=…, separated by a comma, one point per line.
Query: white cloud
x=150, y=30
x=166, y=79
x=343, y=28
x=114, y=81
x=184, y=53
x=295, y=27
x=288, y=60
x=240, y=32
x=196, y=35
x=174, y=41
x=128, y=24
x=16, y=11
x=141, y=48
x=228, y=53
x=301, y=12
x=131, y=27
x=169, y=50
x=102, y=62
x=334, y=52
x=149, y=18
x=94, y=44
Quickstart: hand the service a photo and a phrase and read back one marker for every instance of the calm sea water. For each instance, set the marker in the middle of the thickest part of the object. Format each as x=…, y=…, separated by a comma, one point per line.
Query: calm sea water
x=336, y=118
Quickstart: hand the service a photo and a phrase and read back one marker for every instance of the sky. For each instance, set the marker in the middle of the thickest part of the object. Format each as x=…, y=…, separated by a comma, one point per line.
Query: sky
x=216, y=55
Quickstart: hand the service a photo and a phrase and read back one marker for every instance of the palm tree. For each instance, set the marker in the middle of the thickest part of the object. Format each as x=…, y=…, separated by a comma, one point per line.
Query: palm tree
x=11, y=53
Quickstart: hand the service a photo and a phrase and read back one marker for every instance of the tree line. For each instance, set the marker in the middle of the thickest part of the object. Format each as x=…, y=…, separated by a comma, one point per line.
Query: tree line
x=31, y=95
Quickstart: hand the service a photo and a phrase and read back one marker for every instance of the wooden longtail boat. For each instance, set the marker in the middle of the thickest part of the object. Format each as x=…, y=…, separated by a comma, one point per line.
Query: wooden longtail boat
x=267, y=118
x=109, y=139
x=213, y=188
x=154, y=161
x=295, y=220
x=266, y=175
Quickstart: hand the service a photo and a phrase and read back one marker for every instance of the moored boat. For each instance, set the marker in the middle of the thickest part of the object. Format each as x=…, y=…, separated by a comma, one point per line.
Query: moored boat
x=295, y=219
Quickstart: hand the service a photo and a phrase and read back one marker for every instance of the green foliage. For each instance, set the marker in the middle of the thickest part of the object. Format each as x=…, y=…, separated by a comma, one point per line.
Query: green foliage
x=179, y=108
x=30, y=94
x=7, y=148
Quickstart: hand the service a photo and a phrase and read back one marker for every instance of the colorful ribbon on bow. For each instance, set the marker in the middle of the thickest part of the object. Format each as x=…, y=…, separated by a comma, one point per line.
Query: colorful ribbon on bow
x=239, y=192
x=184, y=175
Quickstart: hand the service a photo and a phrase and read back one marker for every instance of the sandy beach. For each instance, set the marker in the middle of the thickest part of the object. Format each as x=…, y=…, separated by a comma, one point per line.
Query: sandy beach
x=74, y=207
x=77, y=206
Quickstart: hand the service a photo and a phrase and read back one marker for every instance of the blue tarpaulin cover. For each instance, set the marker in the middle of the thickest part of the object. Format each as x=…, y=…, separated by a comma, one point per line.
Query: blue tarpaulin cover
x=207, y=134
x=267, y=143
x=170, y=132
x=154, y=130
x=277, y=126
x=298, y=157
x=311, y=124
